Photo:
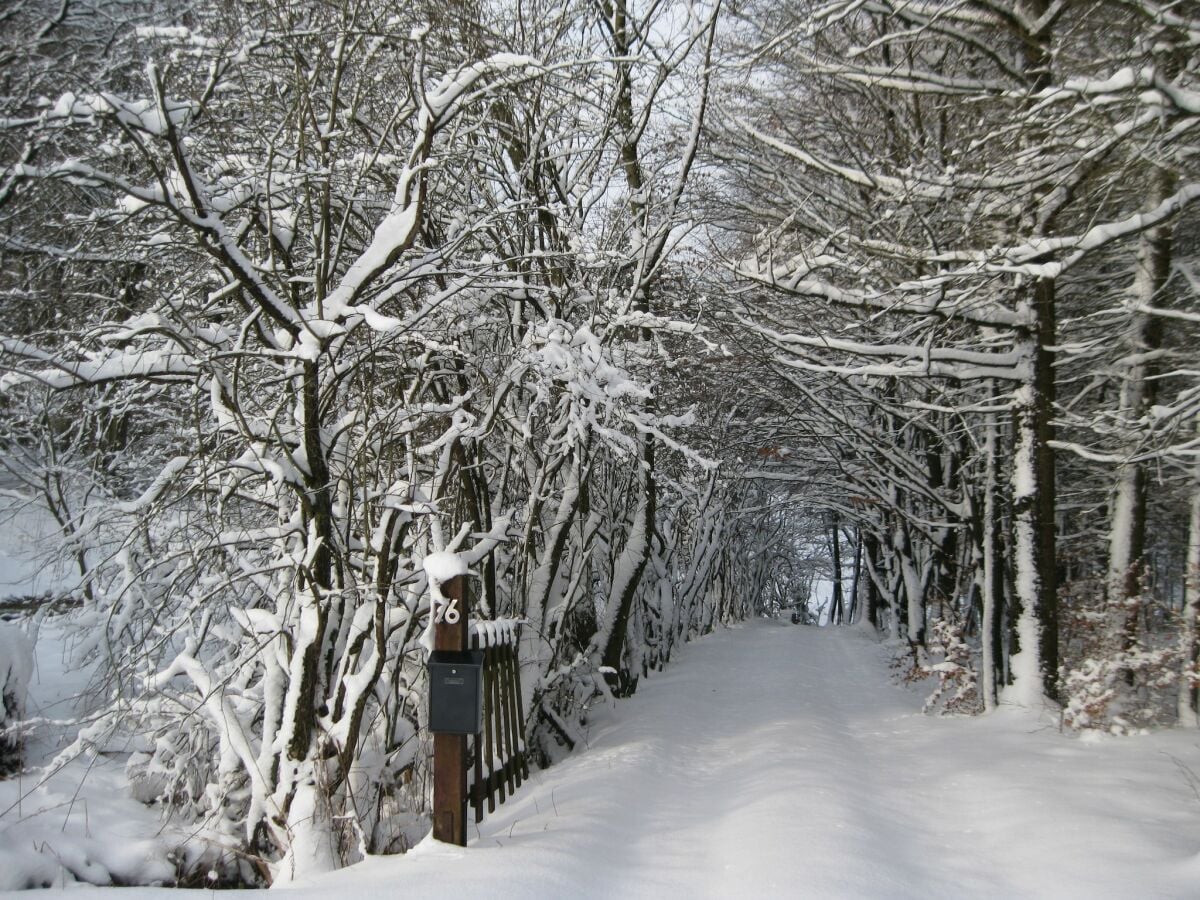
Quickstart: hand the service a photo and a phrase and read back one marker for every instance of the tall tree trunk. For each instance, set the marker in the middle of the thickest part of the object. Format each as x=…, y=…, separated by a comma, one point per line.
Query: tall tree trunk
x=874, y=595
x=836, y=604
x=1127, y=522
x=992, y=576
x=1034, y=666
x=853, y=610
x=626, y=579
x=637, y=549
x=914, y=585
x=1190, y=640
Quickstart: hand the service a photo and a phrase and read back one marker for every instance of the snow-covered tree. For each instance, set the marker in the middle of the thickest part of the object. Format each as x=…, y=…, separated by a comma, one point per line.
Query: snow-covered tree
x=931, y=185
x=392, y=297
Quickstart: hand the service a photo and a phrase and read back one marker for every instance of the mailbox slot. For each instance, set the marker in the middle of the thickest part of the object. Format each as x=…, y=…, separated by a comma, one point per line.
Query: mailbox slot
x=456, y=691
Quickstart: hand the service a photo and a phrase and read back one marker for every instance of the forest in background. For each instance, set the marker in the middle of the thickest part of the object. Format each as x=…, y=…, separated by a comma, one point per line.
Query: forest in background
x=654, y=313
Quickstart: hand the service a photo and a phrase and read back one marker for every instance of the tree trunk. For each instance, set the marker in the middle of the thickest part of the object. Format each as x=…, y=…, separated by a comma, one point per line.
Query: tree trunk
x=874, y=595
x=992, y=588
x=637, y=549
x=835, y=549
x=1127, y=523
x=853, y=611
x=1190, y=640
x=1034, y=666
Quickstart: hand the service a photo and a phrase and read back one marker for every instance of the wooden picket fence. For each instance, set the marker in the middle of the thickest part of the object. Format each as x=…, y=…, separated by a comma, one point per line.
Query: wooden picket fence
x=500, y=749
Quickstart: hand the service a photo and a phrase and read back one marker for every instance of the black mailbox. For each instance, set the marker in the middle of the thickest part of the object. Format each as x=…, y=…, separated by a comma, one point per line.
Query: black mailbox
x=456, y=691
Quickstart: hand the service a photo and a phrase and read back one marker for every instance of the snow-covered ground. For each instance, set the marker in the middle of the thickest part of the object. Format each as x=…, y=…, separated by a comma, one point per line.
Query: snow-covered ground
x=29, y=539
x=778, y=761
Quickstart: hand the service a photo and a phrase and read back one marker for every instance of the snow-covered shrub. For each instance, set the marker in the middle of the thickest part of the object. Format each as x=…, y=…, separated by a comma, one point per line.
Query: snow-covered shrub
x=560, y=706
x=16, y=667
x=1111, y=679
x=1097, y=693
x=957, y=688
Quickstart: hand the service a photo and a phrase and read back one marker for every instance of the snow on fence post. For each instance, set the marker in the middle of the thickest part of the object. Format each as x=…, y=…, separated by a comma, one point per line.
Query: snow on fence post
x=450, y=750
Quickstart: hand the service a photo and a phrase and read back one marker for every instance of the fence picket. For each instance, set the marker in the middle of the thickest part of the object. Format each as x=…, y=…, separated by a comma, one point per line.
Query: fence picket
x=500, y=749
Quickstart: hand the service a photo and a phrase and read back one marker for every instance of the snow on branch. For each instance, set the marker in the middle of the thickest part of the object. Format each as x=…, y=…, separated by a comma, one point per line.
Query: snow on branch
x=856, y=176
x=62, y=373
x=1033, y=251
x=1146, y=84
x=915, y=369
x=161, y=482
x=906, y=79
x=145, y=114
x=400, y=226
x=792, y=276
x=703, y=462
x=453, y=90
x=948, y=362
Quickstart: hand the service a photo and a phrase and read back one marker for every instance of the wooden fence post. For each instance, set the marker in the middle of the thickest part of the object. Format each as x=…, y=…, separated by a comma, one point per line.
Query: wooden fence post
x=450, y=750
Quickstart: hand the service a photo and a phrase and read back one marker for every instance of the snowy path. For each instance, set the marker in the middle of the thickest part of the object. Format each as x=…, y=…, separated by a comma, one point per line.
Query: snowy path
x=776, y=761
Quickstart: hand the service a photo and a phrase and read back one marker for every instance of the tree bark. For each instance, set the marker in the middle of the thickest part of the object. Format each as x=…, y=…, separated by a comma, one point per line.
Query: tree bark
x=1190, y=642
x=1127, y=522
x=836, y=605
